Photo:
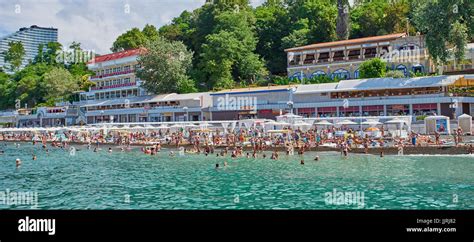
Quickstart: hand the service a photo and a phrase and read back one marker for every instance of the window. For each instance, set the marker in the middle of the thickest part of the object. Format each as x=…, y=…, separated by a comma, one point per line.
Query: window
x=403, y=69
x=341, y=74
x=318, y=73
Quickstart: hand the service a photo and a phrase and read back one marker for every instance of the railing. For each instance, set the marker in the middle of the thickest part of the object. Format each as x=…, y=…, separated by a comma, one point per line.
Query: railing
x=114, y=86
x=112, y=74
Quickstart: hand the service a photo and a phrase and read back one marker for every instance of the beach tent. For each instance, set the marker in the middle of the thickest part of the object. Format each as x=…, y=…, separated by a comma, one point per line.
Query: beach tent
x=438, y=124
x=465, y=123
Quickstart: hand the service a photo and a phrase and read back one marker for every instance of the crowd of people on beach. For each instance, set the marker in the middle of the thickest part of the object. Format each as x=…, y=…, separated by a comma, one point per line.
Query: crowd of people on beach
x=231, y=141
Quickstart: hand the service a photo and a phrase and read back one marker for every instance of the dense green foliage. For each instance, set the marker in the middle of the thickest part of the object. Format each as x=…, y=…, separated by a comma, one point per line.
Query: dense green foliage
x=372, y=68
x=44, y=81
x=14, y=55
x=165, y=65
x=447, y=24
x=135, y=38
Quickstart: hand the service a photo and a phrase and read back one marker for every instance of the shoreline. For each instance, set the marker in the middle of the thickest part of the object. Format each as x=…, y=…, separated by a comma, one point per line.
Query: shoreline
x=408, y=150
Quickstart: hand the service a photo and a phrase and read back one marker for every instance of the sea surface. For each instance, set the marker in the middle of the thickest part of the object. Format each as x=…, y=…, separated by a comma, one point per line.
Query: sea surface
x=132, y=180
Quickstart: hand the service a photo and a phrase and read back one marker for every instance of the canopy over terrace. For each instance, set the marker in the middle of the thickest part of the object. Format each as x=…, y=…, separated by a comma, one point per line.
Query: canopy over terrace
x=360, y=120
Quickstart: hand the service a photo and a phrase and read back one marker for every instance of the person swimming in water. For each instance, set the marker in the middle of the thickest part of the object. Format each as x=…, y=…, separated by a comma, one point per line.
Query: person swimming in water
x=34, y=157
x=302, y=162
x=18, y=162
x=110, y=149
x=316, y=158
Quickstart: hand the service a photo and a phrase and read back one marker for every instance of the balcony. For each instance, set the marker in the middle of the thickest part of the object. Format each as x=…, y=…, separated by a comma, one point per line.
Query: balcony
x=112, y=74
x=131, y=84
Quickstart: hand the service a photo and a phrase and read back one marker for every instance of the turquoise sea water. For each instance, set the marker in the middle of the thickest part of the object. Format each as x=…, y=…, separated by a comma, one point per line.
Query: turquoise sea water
x=132, y=180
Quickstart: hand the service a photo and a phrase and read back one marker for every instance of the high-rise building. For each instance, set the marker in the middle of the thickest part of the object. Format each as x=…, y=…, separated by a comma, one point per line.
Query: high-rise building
x=31, y=38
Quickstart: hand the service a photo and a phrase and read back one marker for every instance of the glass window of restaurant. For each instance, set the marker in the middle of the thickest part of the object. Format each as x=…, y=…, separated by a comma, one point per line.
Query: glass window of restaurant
x=398, y=110
x=349, y=111
x=327, y=112
x=376, y=110
x=425, y=109
x=306, y=112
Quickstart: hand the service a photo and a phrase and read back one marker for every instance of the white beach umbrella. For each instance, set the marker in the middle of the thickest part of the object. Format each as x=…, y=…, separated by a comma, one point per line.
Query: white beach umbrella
x=395, y=121
x=346, y=122
x=324, y=123
x=281, y=124
x=302, y=124
x=163, y=126
x=371, y=122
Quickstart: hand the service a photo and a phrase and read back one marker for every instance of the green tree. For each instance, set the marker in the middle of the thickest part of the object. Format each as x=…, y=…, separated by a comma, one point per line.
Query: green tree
x=445, y=25
x=228, y=54
x=14, y=55
x=395, y=74
x=321, y=15
x=299, y=35
x=59, y=85
x=135, y=38
x=131, y=39
x=165, y=67
x=150, y=32
x=272, y=25
x=372, y=68
x=52, y=49
x=7, y=91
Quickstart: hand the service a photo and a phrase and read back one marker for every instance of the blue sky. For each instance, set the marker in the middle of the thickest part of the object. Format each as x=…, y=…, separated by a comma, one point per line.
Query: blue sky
x=93, y=23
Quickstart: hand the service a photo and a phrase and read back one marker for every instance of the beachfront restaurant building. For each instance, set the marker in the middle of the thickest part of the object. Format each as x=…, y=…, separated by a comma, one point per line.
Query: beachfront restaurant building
x=151, y=108
x=43, y=117
x=419, y=97
x=249, y=103
x=449, y=96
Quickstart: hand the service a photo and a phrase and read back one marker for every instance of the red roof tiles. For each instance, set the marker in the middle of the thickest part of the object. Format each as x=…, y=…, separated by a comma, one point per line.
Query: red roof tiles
x=117, y=55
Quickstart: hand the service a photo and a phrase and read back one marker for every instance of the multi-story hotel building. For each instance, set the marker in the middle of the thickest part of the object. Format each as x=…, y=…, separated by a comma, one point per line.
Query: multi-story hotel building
x=114, y=76
x=342, y=59
x=31, y=38
x=118, y=95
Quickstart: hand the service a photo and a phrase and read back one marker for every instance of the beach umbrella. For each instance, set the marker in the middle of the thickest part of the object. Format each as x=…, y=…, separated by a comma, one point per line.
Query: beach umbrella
x=395, y=121
x=303, y=124
x=346, y=122
x=372, y=129
x=163, y=126
x=324, y=122
x=371, y=122
x=281, y=124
